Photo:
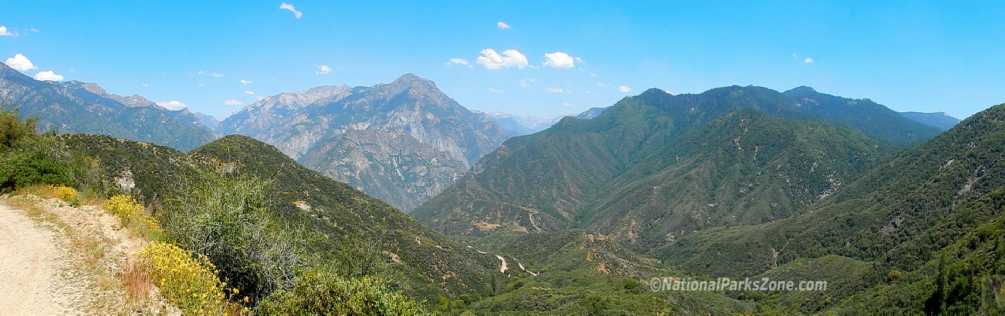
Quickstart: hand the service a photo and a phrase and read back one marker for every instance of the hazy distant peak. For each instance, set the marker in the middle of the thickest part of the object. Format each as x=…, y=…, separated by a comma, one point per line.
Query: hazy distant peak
x=326, y=91
x=300, y=99
x=133, y=101
x=939, y=120
x=94, y=88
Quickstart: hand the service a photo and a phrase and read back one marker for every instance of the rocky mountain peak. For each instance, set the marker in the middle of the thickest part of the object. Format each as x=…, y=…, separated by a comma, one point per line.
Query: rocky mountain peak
x=94, y=88
x=301, y=99
x=324, y=92
x=413, y=84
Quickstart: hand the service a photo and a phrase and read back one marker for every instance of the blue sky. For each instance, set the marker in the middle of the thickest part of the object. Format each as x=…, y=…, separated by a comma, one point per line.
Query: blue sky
x=909, y=55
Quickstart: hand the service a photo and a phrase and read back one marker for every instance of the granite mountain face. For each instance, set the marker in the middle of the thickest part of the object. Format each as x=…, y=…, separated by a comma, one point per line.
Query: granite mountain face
x=402, y=142
x=79, y=107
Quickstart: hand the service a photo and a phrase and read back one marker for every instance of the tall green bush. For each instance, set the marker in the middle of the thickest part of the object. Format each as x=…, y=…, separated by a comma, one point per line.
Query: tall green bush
x=27, y=158
x=228, y=221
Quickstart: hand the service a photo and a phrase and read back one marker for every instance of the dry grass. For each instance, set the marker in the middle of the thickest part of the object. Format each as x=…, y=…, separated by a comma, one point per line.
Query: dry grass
x=137, y=281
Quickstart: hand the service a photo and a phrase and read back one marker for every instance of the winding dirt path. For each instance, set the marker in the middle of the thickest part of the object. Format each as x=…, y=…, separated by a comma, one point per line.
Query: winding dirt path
x=31, y=262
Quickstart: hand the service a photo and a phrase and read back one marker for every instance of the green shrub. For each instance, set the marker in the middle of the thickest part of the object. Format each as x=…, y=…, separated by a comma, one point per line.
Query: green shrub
x=27, y=158
x=229, y=221
x=322, y=292
x=13, y=130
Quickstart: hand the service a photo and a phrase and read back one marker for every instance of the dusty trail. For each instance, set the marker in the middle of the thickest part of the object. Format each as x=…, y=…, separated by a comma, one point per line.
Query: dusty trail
x=31, y=262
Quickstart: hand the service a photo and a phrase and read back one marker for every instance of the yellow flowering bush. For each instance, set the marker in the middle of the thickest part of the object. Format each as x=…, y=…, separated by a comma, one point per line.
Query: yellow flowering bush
x=67, y=194
x=132, y=215
x=187, y=281
x=123, y=207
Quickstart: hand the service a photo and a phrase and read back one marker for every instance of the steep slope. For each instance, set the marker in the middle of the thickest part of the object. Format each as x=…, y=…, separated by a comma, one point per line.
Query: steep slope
x=402, y=142
x=77, y=107
x=743, y=168
x=939, y=120
x=425, y=263
x=585, y=172
x=898, y=215
x=964, y=278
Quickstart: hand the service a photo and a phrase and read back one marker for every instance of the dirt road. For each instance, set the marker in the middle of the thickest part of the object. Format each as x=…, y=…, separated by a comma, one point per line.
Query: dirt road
x=31, y=262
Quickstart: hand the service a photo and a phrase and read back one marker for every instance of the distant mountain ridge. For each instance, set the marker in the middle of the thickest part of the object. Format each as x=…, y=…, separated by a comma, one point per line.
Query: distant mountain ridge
x=78, y=107
x=515, y=125
x=402, y=142
x=939, y=120
x=619, y=171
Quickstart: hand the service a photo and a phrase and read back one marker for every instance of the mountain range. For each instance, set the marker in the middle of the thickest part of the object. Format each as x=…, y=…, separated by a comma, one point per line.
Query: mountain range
x=402, y=142
x=939, y=120
x=750, y=182
x=656, y=166
x=78, y=107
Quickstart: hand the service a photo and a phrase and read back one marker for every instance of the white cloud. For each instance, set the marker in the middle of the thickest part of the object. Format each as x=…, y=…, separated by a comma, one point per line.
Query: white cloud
x=19, y=63
x=5, y=32
x=210, y=74
x=526, y=82
x=624, y=89
x=459, y=62
x=289, y=7
x=808, y=60
x=556, y=90
x=510, y=58
x=48, y=75
x=145, y=85
x=496, y=91
x=232, y=102
x=173, y=105
x=502, y=25
x=559, y=60
x=249, y=92
x=245, y=82
x=33, y=30
x=323, y=70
